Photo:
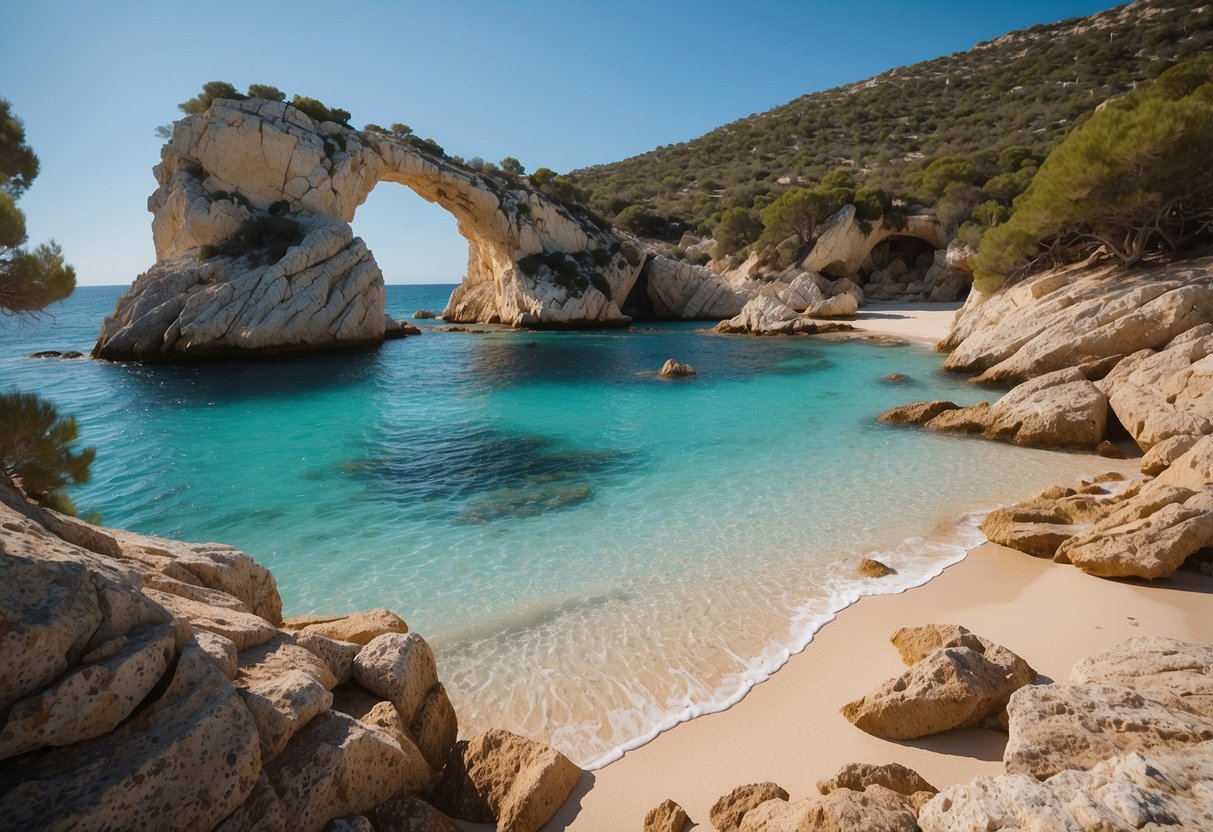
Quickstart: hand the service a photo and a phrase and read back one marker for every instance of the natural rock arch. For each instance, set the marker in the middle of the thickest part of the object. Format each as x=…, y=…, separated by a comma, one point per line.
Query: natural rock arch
x=531, y=260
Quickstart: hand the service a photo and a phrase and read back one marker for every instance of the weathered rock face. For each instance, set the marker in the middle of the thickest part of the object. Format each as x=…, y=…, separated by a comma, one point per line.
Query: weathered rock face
x=1058, y=727
x=964, y=682
x=1166, y=394
x=115, y=713
x=1148, y=532
x=1150, y=790
x=1178, y=674
x=677, y=289
x=1073, y=317
x=531, y=261
x=892, y=776
x=325, y=292
x=1058, y=409
x=666, y=816
x=842, y=810
x=502, y=777
x=730, y=810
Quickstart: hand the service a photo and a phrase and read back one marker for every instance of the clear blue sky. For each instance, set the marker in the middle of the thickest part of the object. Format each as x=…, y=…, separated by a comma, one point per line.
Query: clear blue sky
x=561, y=84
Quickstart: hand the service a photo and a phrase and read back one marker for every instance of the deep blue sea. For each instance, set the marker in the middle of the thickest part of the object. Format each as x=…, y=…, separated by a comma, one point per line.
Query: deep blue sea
x=595, y=553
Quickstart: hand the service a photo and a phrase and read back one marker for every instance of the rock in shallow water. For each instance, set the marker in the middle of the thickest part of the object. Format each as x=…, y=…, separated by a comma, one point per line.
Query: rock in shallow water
x=675, y=369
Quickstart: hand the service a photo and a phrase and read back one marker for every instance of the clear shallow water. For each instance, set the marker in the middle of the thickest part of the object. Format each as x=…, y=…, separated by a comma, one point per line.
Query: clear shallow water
x=594, y=553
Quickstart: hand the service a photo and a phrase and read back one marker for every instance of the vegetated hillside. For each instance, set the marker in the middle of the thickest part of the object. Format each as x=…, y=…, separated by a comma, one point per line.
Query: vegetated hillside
x=1026, y=88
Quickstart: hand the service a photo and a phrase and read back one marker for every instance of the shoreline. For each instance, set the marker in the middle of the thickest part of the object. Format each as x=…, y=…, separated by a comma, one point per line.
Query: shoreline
x=789, y=729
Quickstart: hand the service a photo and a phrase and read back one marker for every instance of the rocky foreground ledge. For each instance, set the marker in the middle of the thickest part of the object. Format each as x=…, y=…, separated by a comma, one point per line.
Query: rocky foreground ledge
x=151, y=684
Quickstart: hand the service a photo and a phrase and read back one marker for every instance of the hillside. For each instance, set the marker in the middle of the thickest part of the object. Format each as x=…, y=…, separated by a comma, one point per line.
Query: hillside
x=1026, y=88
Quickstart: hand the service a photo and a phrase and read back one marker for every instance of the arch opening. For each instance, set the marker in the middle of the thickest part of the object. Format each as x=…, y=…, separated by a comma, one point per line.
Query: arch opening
x=414, y=241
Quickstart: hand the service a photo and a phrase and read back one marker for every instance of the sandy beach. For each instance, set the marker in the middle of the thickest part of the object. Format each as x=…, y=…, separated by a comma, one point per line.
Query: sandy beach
x=789, y=729
x=917, y=321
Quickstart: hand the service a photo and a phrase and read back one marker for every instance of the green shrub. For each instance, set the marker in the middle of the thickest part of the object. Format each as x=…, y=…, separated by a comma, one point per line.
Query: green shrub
x=317, y=111
x=1133, y=177
x=266, y=91
x=210, y=91
x=599, y=282
x=36, y=450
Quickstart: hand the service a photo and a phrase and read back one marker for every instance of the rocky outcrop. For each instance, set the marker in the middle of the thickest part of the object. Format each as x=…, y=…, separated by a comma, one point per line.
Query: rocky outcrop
x=1151, y=790
x=842, y=810
x=1059, y=409
x=1075, y=726
x=1146, y=530
x=358, y=628
x=1174, y=673
x=255, y=253
x=1078, y=316
x=678, y=289
x=892, y=776
x=136, y=693
x=964, y=682
x=326, y=291
x=1165, y=394
x=504, y=778
x=765, y=315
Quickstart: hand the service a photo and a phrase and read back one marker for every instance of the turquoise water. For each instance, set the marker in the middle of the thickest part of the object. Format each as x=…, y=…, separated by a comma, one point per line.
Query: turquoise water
x=594, y=553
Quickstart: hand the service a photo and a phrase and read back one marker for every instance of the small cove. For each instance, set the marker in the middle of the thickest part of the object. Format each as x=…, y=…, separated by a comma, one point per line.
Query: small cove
x=594, y=553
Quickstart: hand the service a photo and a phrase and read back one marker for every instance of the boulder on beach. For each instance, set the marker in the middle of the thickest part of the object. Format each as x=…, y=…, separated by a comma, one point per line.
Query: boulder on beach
x=666, y=816
x=501, y=777
x=729, y=810
x=963, y=682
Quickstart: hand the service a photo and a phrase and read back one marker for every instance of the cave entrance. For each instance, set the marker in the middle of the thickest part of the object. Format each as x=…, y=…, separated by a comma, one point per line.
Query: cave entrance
x=901, y=257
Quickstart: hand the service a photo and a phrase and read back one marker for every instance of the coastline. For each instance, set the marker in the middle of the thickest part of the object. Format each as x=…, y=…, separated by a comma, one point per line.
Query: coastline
x=788, y=729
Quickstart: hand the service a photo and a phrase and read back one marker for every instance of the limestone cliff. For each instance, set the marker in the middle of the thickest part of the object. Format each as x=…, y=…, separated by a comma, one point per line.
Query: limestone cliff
x=531, y=260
